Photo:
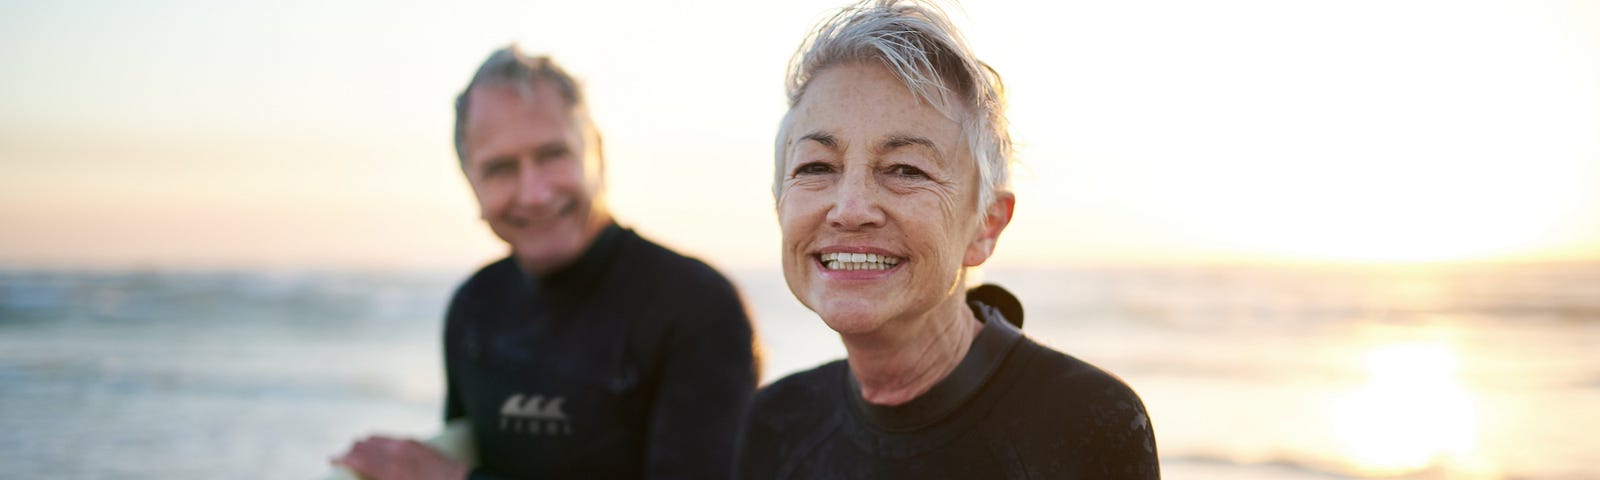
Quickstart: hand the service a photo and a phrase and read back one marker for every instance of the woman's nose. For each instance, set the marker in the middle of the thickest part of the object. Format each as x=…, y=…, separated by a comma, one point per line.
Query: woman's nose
x=855, y=203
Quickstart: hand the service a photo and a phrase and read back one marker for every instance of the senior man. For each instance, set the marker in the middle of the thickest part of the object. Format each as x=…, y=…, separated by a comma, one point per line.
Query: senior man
x=589, y=351
x=890, y=183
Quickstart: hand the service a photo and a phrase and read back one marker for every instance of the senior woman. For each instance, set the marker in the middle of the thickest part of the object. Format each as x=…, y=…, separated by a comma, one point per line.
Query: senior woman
x=891, y=182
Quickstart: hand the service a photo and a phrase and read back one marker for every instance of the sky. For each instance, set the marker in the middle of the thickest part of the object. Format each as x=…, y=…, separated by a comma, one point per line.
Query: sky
x=317, y=134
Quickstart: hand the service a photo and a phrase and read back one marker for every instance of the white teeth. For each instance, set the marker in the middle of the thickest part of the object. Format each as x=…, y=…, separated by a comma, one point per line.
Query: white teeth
x=856, y=261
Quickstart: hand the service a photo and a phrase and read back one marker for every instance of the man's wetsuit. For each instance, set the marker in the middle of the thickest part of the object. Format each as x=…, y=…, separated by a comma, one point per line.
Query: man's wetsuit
x=1011, y=409
x=633, y=362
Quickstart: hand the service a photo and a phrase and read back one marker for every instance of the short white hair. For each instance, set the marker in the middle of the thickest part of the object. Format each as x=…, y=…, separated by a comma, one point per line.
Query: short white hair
x=509, y=66
x=918, y=44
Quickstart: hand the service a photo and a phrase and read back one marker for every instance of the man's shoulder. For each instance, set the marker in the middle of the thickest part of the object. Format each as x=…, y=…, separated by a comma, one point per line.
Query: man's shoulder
x=667, y=260
x=666, y=269
x=492, y=277
x=497, y=271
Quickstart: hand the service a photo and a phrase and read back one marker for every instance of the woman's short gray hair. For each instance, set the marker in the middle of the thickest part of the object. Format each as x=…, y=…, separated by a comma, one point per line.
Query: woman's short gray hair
x=918, y=44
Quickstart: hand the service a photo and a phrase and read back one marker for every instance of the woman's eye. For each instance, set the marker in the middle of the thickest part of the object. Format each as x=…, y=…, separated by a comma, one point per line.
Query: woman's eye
x=907, y=171
x=813, y=168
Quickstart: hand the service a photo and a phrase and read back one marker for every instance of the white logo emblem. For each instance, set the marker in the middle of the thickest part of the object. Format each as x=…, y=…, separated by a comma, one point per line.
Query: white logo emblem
x=534, y=415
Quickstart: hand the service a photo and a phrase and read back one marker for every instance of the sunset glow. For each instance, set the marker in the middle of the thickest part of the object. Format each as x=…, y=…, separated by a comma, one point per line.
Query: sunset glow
x=305, y=134
x=1410, y=414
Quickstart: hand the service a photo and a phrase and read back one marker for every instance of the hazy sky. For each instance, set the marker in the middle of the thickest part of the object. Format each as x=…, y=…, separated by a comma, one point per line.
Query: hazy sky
x=300, y=133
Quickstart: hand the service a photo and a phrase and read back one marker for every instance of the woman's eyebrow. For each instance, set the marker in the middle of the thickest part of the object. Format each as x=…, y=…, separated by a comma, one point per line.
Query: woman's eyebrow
x=824, y=138
x=898, y=140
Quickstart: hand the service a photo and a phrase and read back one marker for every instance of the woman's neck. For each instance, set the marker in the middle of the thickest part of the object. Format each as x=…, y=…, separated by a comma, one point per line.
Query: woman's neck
x=905, y=359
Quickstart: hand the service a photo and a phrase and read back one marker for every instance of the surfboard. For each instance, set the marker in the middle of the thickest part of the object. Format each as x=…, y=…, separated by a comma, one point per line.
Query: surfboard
x=454, y=440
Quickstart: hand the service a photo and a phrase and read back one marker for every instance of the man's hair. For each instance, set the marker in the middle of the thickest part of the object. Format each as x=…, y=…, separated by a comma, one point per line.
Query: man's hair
x=918, y=44
x=508, y=66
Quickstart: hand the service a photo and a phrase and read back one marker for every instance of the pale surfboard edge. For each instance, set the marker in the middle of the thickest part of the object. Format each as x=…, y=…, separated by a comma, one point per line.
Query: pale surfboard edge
x=454, y=440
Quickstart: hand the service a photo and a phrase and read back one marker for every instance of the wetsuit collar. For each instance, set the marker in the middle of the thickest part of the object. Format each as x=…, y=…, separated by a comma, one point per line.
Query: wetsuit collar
x=995, y=307
x=582, y=273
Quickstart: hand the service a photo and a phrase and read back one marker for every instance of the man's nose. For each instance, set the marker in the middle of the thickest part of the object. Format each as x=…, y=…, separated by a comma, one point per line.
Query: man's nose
x=533, y=189
x=855, y=202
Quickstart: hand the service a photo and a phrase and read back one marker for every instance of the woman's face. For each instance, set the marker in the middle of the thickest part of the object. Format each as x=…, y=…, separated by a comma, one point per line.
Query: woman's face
x=877, y=203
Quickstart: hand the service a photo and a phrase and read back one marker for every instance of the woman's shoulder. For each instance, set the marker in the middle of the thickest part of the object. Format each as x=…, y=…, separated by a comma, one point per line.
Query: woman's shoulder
x=1054, y=396
x=1051, y=373
x=1065, y=394
x=802, y=394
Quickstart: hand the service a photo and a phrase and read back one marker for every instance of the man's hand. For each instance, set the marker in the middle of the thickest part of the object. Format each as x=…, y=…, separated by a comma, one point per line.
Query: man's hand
x=385, y=458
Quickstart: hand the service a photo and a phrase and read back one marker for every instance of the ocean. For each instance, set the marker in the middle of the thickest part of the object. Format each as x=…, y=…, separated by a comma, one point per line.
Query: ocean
x=1248, y=372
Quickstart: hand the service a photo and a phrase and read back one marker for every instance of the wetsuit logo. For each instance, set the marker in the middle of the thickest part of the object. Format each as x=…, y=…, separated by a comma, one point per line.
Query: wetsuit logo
x=534, y=415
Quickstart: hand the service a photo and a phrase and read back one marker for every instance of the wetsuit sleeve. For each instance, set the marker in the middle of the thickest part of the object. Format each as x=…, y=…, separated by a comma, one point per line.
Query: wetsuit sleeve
x=1120, y=441
x=709, y=375
x=453, y=407
x=1068, y=419
x=476, y=474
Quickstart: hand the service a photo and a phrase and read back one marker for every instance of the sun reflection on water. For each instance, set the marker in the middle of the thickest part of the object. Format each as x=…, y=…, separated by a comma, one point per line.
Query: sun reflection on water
x=1411, y=414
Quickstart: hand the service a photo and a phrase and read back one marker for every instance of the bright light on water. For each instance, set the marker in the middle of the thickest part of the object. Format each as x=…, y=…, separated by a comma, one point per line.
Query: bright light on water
x=1248, y=373
x=1411, y=414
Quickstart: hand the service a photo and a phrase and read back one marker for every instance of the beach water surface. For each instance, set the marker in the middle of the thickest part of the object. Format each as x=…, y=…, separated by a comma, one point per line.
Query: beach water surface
x=1485, y=371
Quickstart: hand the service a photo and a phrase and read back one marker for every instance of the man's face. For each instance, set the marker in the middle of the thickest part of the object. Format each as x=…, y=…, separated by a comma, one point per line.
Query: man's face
x=537, y=181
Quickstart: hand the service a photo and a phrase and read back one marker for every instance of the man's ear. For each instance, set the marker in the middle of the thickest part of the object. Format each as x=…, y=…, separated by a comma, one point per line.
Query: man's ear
x=995, y=219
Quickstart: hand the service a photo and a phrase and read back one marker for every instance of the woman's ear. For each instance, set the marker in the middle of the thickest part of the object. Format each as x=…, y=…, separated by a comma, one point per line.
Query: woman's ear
x=995, y=219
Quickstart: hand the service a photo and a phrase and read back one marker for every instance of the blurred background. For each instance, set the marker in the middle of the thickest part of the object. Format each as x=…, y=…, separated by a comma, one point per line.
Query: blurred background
x=1322, y=240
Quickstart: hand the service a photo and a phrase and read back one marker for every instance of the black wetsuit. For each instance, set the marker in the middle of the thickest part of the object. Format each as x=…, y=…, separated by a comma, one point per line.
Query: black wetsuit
x=634, y=362
x=1011, y=409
